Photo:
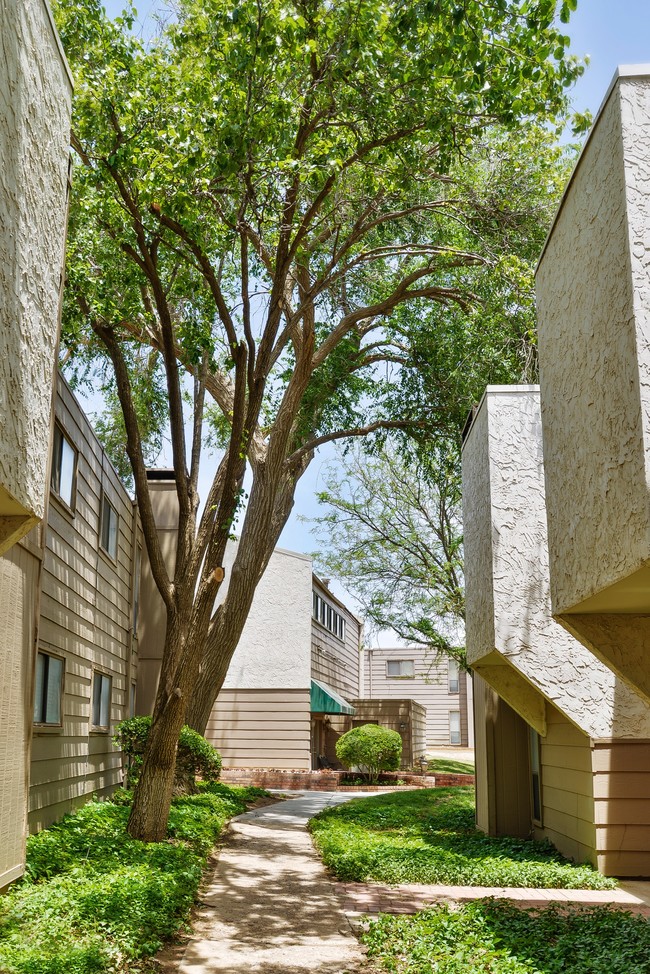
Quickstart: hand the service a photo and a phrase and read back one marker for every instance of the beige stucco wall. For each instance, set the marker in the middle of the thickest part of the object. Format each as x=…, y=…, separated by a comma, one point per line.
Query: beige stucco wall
x=35, y=107
x=274, y=650
x=512, y=639
x=593, y=296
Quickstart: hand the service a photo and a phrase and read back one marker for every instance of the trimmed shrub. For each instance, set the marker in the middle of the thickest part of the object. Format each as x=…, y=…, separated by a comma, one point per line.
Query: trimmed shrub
x=371, y=749
x=195, y=756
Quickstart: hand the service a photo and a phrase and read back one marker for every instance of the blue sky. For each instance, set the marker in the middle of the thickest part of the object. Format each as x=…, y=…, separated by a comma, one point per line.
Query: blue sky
x=611, y=32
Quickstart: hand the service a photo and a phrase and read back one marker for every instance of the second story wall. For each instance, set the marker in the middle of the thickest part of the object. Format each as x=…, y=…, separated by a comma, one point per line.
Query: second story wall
x=335, y=657
x=85, y=666
x=35, y=108
x=411, y=672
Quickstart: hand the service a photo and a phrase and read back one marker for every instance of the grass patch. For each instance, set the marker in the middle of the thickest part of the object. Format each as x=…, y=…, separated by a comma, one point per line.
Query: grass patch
x=94, y=900
x=429, y=836
x=448, y=766
x=494, y=937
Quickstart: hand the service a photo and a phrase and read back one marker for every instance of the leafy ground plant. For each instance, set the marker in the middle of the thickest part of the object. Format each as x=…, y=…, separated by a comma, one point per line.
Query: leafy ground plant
x=495, y=937
x=448, y=766
x=95, y=900
x=429, y=836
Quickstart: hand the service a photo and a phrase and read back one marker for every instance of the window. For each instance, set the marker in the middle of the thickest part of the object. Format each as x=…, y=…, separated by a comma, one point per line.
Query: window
x=48, y=689
x=454, y=726
x=400, y=667
x=108, y=533
x=535, y=775
x=101, y=716
x=327, y=616
x=64, y=466
x=452, y=676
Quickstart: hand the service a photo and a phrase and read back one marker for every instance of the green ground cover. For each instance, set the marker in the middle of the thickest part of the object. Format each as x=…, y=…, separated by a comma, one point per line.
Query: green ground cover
x=95, y=900
x=428, y=836
x=448, y=766
x=494, y=937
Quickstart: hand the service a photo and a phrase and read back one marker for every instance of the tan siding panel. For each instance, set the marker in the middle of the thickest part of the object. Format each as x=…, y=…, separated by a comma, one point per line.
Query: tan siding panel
x=86, y=617
x=429, y=687
x=624, y=756
x=620, y=785
x=624, y=863
x=271, y=736
x=18, y=587
x=621, y=811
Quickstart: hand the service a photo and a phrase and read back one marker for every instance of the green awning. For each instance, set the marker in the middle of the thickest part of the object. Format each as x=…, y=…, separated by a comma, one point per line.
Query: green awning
x=324, y=700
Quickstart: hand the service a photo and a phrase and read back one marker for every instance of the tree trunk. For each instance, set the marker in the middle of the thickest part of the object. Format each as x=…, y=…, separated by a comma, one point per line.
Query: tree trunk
x=266, y=516
x=153, y=794
x=185, y=635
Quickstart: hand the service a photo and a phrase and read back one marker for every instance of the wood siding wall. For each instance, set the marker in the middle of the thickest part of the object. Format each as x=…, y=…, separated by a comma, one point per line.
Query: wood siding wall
x=86, y=618
x=407, y=717
x=19, y=571
x=429, y=687
x=621, y=787
x=567, y=789
x=335, y=661
x=262, y=728
x=502, y=765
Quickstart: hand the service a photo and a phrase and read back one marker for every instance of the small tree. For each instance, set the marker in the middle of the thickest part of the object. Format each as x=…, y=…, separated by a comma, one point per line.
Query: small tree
x=371, y=749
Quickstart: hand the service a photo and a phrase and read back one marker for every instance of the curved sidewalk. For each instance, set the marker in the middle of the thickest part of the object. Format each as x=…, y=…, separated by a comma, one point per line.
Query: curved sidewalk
x=271, y=908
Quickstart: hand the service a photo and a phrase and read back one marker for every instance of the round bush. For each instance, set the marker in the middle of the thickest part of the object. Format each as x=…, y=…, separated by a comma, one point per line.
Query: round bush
x=371, y=749
x=195, y=756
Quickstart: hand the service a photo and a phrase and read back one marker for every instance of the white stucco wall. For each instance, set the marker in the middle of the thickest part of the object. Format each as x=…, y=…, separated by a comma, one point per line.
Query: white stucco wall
x=35, y=107
x=510, y=630
x=593, y=296
x=274, y=651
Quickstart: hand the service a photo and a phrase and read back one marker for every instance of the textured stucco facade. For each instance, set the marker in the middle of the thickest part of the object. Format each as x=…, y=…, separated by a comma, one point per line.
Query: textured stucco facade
x=593, y=296
x=573, y=700
x=509, y=617
x=35, y=108
x=274, y=650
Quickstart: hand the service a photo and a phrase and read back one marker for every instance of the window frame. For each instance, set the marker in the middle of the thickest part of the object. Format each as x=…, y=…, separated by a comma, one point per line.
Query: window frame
x=452, y=665
x=107, y=505
x=48, y=725
x=57, y=467
x=401, y=663
x=452, y=742
x=327, y=616
x=99, y=677
x=535, y=760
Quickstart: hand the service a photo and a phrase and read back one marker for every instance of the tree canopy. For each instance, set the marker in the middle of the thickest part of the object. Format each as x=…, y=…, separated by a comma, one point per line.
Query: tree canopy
x=256, y=194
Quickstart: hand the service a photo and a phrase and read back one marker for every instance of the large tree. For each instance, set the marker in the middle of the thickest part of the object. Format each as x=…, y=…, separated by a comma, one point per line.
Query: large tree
x=256, y=193
x=391, y=527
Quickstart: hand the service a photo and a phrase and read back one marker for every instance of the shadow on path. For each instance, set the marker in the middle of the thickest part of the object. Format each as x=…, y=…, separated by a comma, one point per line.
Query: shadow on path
x=270, y=907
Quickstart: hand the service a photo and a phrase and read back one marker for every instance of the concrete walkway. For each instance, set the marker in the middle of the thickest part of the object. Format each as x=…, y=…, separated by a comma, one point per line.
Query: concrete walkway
x=270, y=907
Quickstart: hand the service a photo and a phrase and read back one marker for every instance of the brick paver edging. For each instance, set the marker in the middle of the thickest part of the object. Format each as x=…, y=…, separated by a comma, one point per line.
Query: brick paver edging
x=331, y=780
x=361, y=898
